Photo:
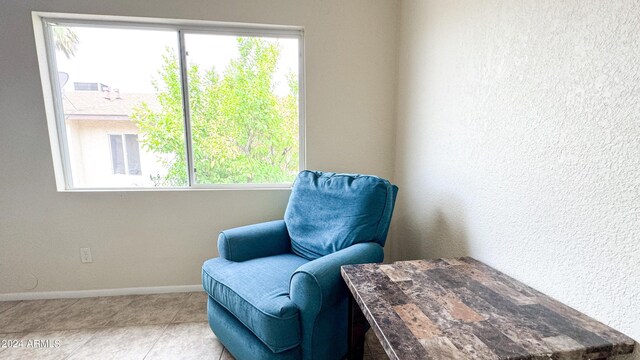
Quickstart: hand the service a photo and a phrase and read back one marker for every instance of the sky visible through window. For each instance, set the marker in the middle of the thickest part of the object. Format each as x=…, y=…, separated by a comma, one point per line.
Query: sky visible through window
x=132, y=61
x=243, y=106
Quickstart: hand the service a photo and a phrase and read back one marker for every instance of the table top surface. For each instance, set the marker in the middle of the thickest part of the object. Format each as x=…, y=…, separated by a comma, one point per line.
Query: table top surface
x=463, y=309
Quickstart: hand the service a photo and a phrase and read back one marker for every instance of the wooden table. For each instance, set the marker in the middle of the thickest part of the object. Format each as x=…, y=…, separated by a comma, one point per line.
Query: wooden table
x=464, y=309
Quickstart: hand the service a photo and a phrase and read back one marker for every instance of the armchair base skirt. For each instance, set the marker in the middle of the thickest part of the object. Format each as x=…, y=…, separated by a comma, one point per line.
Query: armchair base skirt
x=239, y=340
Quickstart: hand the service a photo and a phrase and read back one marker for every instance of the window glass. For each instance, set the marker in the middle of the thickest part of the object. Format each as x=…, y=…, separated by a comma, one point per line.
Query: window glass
x=146, y=106
x=110, y=81
x=133, y=154
x=117, y=154
x=243, y=96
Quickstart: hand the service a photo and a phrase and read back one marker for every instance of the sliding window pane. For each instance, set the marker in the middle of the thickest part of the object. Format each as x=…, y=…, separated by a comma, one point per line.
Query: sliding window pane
x=117, y=80
x=117, y=154
x=133, y=154
x=243, y=97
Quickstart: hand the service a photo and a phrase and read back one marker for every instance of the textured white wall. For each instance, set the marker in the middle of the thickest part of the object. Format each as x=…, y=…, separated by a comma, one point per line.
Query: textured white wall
x=162, y=238
x=518, y=143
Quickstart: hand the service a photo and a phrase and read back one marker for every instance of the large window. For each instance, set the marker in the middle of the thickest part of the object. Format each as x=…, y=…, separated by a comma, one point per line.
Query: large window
x=161, y=105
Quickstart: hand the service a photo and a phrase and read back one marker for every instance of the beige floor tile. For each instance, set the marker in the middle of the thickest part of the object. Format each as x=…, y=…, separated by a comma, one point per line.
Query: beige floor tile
x=367, y=350
x=121, y=343
x=150, y=309
x=88, y=313
x=186, y=341
x=373, y=343
x=51, y=345
x=29, y=315
x=9, y=340
x=375, y=357
x=226, y=355
x=6, y=305
x=194, y=310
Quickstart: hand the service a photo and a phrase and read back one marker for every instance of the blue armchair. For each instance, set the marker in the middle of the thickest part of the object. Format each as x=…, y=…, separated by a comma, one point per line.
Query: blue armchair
x=275, y=292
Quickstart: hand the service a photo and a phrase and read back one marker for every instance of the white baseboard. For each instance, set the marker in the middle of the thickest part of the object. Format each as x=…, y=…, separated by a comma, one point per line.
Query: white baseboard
x=98, y=292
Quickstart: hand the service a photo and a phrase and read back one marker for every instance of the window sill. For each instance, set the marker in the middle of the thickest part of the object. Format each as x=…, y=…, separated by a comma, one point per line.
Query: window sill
x=181, y=189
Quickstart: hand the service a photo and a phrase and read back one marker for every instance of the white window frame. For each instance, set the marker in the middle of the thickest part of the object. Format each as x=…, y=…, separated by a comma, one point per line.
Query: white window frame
x=53, y=97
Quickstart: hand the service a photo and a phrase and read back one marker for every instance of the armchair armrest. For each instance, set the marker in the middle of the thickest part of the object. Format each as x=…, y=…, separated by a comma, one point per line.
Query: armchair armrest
x=254, y=241
x=317, y=285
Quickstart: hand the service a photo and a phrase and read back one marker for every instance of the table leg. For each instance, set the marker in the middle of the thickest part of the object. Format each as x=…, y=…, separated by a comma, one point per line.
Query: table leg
x=357, y=329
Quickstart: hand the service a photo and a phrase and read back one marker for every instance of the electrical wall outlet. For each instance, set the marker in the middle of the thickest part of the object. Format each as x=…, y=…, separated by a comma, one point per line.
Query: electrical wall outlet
x=85, y=255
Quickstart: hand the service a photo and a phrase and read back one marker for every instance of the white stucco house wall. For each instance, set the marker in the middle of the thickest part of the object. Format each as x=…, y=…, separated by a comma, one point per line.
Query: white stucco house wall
x=104, y=143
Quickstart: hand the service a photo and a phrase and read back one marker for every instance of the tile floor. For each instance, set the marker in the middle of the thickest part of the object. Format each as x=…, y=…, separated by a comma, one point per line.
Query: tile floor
x=162, y=326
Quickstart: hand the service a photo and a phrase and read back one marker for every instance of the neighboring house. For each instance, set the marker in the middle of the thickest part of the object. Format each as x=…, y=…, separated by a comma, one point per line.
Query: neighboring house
x=104, y=143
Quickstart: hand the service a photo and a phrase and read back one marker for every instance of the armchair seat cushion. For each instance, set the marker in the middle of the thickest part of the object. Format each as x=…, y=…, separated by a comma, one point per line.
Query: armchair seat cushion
x=257, y=292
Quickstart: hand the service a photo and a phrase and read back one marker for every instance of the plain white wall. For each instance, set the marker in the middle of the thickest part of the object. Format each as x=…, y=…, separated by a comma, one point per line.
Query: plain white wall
x=518, y=143
x=143, y=239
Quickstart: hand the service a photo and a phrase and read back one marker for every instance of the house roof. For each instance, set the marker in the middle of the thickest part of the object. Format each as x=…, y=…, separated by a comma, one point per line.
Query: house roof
x=105, y=103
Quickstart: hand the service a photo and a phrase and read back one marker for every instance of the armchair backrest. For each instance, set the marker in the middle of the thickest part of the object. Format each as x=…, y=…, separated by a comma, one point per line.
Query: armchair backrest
x=328, y=212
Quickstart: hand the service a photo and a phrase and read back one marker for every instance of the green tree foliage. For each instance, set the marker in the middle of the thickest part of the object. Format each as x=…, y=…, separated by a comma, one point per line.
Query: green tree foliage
x=66, y=40
x=242, y=132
